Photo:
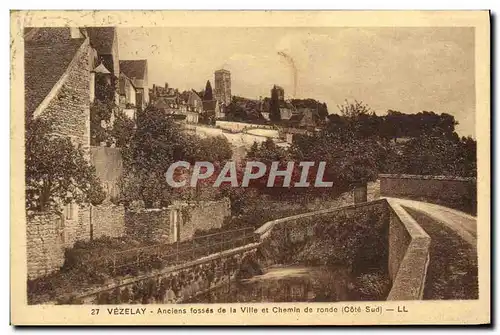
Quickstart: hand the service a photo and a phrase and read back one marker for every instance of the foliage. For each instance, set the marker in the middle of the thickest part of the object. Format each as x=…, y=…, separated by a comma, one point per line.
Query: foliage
x=431, y=154
x=123, y=129
x=86, y=264
x=244, y=110
x=156, y=144
x=208, y=95
x=102, y=109
x=373, y=286
x=57, y=172
x=99, y=130
x=342, y=240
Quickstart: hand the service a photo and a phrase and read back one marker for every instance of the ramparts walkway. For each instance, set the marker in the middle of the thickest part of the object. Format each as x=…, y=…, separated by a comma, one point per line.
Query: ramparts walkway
x=463, y=224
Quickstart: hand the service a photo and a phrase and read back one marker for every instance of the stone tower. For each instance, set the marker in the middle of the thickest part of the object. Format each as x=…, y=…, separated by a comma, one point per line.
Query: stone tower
x=223, y=86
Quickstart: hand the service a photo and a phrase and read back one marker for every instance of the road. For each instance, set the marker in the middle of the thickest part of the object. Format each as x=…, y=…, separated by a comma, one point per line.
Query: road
x=463, y=224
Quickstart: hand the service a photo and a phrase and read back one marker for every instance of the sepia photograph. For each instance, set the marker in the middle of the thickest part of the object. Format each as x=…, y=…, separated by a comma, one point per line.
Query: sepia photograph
x=171, y=170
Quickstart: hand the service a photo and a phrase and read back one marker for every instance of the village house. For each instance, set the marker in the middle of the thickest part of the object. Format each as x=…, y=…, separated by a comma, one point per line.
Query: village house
x=59, y=80
x=64, y=68
x=59, y=84
x=194, y=101
x=303, y=118
x=211, y=111
x=180, y=107
x=104, y=40
x=137, y=72
x=128, y=94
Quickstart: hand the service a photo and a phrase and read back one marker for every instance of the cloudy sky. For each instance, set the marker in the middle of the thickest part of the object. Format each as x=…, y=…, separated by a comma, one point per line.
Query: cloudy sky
x=405, y=69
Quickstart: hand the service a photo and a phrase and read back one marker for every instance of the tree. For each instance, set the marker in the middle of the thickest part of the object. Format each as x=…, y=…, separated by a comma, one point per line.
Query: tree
x=353, y=110
x=102, y=109
x=99, y=130
x=274, y=107
x=208, y=95
x=435, y=154
x=157, y=143
x=123, y=130
x=57, y=173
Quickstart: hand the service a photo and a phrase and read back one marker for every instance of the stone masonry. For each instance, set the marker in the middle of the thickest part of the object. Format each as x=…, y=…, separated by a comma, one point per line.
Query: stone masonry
x=45, y=249
x=69, y=109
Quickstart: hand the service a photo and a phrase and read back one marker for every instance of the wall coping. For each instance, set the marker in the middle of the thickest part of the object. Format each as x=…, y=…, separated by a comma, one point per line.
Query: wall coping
x=409, y=281
x=164, y=271
x=267, y=227
x=425, y=177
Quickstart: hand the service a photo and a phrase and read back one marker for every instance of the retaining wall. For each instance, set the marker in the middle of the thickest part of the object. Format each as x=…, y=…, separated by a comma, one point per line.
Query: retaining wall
x=45, y=248
x=108, y=220
x=408, y=255
x=171, y=285
x=455, y=192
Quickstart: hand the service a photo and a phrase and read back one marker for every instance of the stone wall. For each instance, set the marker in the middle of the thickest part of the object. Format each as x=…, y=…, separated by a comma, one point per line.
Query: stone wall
x=49, y=234
x=157, y=225
x=239, y=126
x=149, y=225
x=69, y=109
x=455, y=192
x=408, y=255
x=77, y=229
x=202, y=215
x=176, y=284
x=284, y=239
x=45, y=248
x=108, y=220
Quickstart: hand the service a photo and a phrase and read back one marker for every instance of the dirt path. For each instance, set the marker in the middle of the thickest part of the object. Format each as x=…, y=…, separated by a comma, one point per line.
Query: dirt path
x=453, y=268
x=463, y=224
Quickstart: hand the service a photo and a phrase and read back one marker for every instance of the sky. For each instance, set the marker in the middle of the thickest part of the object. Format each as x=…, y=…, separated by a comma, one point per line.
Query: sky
x=404, y=69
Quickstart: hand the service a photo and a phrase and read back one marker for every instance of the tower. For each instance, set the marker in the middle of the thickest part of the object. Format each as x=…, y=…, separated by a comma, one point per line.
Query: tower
x=223, y=86
x=280, y=92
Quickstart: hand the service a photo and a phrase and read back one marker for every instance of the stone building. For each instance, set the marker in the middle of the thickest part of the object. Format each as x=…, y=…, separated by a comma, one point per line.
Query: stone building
x=211, y=111
x=137, y=71
x=194, y=101
x=105, y=41
x=58, y=80
x=223, y=87
x=279, y=91
x=61, y=69
x=128, y=94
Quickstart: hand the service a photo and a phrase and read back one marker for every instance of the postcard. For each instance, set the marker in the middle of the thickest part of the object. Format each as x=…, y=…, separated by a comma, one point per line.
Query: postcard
x=250, y=168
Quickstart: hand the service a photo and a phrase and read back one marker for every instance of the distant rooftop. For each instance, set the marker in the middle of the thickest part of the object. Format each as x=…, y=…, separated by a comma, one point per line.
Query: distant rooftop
x=135, y=70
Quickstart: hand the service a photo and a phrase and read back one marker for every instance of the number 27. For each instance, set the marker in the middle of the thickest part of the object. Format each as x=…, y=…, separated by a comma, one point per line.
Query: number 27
x=94, y=311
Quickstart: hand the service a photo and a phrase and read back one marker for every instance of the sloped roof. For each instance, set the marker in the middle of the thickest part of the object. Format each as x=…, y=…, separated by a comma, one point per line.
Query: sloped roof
x=134, y=68
x=296, y=118
x=44, y=63
x=102, y=38
x=164, y=103
x=195, y=93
